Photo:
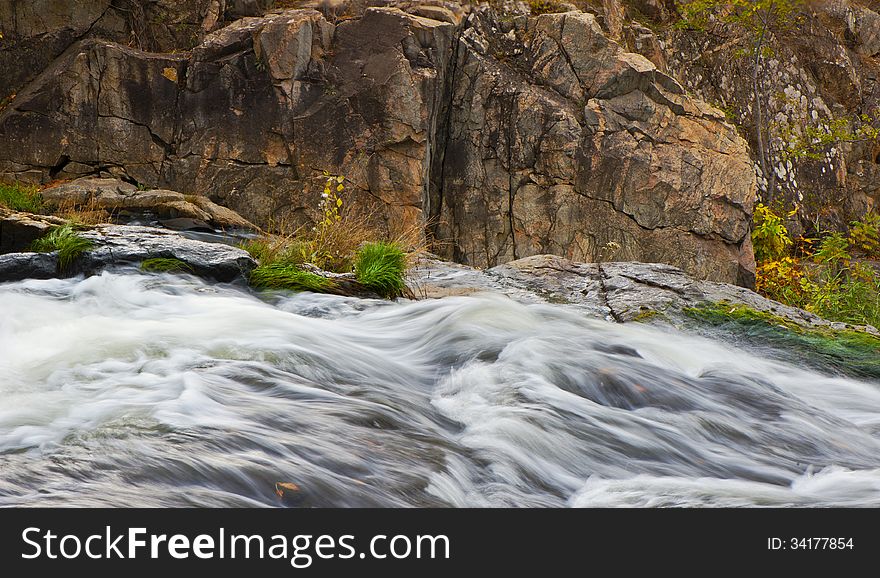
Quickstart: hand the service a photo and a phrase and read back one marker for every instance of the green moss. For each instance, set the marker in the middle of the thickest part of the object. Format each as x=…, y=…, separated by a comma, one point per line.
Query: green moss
x=21, y=198
x=66, y=241
x=381, y=267
x=539, y=7
x=291, y=277
x=646, y=315
x=161, y=265
x=848, y=351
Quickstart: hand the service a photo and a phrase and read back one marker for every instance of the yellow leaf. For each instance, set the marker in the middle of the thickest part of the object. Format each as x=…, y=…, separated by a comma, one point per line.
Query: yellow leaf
x=281, y=486
x=340, y=179
x=340, y=188
x=338, y=202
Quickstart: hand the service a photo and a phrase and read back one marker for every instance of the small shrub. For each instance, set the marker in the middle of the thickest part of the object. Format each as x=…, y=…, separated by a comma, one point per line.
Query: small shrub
x=331, y=244
x=769, y=235
x=165, y=265
x=851, y=295
x=539, y=7
x=340, y=242
x=781, y=280
x=826, y=280
x=381, y=267
x=262, y=249
x=291, y=277
x=66, y=241
x=833, y=254
x=21, y=198
x=864, y=235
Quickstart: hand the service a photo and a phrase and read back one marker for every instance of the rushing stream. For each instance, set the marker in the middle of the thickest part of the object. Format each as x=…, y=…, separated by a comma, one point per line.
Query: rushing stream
x=126, y=389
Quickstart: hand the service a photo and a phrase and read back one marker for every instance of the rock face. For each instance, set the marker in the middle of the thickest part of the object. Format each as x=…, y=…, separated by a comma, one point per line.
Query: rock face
x=821, y=68
x=251, y=117
x=35, y=32
x=561, y=142
x=512, y=136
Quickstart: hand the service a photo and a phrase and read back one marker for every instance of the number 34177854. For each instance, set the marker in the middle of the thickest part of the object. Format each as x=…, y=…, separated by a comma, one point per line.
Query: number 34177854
x=810, y=543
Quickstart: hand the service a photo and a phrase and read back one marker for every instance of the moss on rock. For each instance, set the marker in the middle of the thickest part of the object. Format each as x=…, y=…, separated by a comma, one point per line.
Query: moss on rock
x=848, y=351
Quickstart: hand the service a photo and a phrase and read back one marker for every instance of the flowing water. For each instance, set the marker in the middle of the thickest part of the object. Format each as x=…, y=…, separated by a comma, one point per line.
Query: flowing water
x=127, y=389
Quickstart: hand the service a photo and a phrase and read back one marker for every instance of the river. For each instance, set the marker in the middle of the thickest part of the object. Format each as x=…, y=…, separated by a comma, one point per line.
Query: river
x=128, y=389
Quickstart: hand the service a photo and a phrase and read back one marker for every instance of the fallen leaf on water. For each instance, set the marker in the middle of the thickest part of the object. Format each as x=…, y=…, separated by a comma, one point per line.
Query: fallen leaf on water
x=281, y=486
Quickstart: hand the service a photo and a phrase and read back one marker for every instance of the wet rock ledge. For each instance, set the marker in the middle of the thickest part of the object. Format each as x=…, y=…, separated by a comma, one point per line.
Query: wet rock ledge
x=113, y=245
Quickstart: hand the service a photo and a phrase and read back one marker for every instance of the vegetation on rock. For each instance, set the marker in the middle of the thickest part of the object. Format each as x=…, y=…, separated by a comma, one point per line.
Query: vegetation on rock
x=20, y=197
x=165, y=265
x=381, y=267
x=830, y=276
x=758, y=18
x=66, y=241
x=278, y=275
x=849, y=351
x=341, y=242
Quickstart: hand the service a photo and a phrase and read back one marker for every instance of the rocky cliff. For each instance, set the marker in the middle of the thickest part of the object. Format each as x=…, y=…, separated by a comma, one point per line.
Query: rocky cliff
x=508, y=135
x=818, y=69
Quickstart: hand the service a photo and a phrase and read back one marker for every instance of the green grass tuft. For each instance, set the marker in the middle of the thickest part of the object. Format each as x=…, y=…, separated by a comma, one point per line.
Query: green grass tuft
x=66, y=241
x=21, y=198
x=291, y=277
x=161, y=265
x=263, y=250
x=381, y=267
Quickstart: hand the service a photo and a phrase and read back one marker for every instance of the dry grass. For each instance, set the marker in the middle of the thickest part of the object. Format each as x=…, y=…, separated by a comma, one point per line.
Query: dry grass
x=88, y=214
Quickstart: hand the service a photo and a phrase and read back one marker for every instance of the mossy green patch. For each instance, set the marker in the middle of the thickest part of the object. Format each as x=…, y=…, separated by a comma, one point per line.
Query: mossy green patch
x=290, y=277
x=847, y=351
x=646, y=315
x=66, y=241
x=165, y=265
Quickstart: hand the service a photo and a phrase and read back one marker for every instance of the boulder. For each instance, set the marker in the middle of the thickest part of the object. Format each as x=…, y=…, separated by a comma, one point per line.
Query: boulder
x=117, y=244
x=19, y=230
x=21, y=266
x=114, y=195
